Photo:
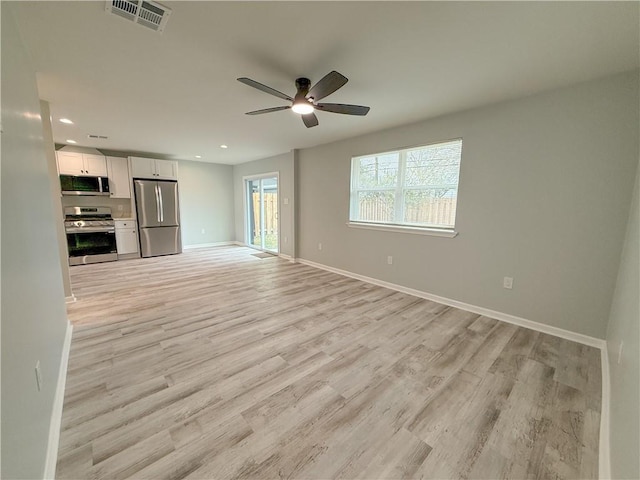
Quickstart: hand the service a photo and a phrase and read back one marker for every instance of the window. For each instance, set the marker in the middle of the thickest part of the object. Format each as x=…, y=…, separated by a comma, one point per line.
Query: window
x=415, y=187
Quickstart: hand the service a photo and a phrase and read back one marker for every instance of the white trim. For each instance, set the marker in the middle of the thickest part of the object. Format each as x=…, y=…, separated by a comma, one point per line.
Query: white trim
x=212, y=244
x=284, y=256
x=56, y=414
x=604, y=462
x=435, y=232
x=505, y=317
x=70, y=299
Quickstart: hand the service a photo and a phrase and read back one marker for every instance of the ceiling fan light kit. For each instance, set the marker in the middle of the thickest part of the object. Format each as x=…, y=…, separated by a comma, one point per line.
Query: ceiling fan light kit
x=306, y=97
x=302, y=107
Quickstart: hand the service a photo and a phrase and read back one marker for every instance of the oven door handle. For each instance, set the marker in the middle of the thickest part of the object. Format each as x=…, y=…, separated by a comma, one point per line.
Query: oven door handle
x=91, y=230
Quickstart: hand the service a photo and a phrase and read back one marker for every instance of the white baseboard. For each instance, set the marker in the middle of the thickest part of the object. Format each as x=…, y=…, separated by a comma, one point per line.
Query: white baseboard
x=604, y=462
x=204, y=245
x=70, y=299
x=504, y=317
x=284, y=256
x=56, y=414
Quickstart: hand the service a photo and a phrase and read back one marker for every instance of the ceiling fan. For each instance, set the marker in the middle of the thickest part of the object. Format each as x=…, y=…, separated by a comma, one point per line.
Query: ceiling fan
x=305, y=100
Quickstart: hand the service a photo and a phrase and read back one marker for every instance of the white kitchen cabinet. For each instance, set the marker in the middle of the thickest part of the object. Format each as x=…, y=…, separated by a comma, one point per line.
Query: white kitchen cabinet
x=126, y=236
x=119, y=179
x=75, y=163
x=154, y=169
x=166, y=170
x=143, y=167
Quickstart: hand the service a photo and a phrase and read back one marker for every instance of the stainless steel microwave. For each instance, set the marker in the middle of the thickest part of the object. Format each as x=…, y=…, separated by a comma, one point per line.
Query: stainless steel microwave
x=75, y=185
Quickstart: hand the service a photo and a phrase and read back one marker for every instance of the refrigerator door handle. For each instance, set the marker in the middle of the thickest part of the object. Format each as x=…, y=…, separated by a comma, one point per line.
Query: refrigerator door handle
x=161, y=209
x=157, y=189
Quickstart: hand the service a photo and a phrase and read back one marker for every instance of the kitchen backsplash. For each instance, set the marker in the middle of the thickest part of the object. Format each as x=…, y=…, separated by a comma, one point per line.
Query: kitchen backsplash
x=120, y=207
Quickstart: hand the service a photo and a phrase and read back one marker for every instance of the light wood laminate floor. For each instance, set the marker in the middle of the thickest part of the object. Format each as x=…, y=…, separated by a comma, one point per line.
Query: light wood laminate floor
x=218, y=364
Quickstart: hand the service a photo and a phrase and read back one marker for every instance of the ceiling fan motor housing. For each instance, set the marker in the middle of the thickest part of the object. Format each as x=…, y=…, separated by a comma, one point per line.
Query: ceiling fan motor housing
x=300, y=100
x=303, y=85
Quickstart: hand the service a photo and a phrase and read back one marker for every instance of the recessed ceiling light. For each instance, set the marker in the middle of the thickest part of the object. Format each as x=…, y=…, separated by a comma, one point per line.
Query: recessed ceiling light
x=198, y=156
x=71, y=141
x=66, y=120
x=223, y=146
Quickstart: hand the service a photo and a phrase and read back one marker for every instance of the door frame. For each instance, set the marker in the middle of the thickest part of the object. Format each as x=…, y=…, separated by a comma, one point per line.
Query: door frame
x=245, y=197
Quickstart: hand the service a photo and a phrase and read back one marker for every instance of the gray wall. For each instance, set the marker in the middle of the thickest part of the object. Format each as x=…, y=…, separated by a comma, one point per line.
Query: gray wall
x=55, y=197
x=624, y=326
x=544, y=195
x=284, y=165
x=34, y=320
x=206, y=202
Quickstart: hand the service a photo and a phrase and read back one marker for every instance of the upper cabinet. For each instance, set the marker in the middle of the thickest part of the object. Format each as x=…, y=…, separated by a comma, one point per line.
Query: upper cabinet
x=119, y=179
x=166, y=170
x=74, y=163
x=154, y=169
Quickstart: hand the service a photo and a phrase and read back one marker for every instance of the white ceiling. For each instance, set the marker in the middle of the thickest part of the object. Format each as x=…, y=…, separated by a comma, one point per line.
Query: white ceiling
x=175, y=94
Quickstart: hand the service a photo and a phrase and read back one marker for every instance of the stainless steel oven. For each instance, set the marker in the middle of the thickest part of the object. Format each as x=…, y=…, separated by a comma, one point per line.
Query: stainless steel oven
x=91, y=235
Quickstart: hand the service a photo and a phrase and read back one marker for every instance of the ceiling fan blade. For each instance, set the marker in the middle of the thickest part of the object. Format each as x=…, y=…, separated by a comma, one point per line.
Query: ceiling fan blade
x=264, y=88
x=310, y=119
x=342, y=108
x=328, y=84
x=267, y=110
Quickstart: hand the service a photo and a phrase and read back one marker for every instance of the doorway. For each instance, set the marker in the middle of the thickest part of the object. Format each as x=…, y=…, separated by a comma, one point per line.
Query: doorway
x=262, y=225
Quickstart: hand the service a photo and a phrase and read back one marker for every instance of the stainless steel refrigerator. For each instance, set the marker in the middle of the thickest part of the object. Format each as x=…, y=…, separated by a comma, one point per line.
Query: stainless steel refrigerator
x=158, y=217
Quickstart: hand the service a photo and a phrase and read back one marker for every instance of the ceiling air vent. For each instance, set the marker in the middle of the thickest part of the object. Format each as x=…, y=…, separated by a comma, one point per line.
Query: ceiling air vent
x=97, y=137
x=148, y=14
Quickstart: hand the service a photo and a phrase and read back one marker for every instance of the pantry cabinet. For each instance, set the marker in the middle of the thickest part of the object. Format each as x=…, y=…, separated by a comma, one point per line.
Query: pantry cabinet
x=119, y=179
x=75, y=163
x=154, y=169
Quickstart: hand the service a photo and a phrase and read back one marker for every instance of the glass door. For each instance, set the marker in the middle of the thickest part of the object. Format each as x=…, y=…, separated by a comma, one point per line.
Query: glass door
x=262, y=212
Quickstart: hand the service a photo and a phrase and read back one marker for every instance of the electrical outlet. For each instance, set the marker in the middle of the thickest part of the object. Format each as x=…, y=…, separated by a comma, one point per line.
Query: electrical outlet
x=286, y=201
x=38, y=376
x=390, y=260
x=120, y=208
x=319, y=246
x=202, y=231
x=507, y=283
x=620, y=351
x=285, y=239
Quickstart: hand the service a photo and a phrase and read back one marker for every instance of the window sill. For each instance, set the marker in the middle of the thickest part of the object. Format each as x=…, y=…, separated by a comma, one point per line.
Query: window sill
x=435, y=232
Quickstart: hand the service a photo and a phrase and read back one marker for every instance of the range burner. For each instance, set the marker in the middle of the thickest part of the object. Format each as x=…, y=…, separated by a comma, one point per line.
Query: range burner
x=81, y=217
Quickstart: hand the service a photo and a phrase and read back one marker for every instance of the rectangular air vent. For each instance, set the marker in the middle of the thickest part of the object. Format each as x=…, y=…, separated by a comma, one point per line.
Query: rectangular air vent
x=146, y=13
x=101, y=137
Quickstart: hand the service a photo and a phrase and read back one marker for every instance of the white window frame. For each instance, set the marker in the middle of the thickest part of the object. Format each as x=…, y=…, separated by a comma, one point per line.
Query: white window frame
x=399, y=189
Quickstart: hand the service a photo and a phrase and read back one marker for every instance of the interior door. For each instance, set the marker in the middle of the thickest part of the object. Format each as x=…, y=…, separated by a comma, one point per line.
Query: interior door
x=262, y=227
